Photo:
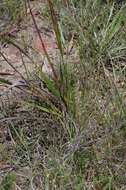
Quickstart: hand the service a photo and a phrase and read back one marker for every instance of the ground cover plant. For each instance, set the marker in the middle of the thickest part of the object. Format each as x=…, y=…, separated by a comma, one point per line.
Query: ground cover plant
x=11, y=12
x=66, y=129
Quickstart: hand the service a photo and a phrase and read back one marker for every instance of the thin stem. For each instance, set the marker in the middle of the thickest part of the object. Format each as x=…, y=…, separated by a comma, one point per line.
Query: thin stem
x=11, y=65
x=42, y=43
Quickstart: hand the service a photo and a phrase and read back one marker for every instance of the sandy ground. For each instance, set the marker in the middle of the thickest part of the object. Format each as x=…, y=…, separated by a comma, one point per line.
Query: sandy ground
x=26, y=37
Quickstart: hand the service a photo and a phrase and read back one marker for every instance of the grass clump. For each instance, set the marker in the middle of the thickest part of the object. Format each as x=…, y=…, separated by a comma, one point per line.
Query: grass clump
x=84, y=146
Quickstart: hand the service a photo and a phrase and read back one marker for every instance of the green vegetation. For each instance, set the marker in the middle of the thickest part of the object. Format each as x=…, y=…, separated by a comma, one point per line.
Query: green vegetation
x=11, y=11
x=7, y=181
x=72, y=135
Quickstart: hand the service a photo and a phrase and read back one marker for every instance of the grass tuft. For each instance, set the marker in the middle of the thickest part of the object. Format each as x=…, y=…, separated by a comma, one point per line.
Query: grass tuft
x=69, y=131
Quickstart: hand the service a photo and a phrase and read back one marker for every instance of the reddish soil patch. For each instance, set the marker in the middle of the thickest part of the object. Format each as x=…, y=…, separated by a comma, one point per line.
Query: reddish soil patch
x=27, y=38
